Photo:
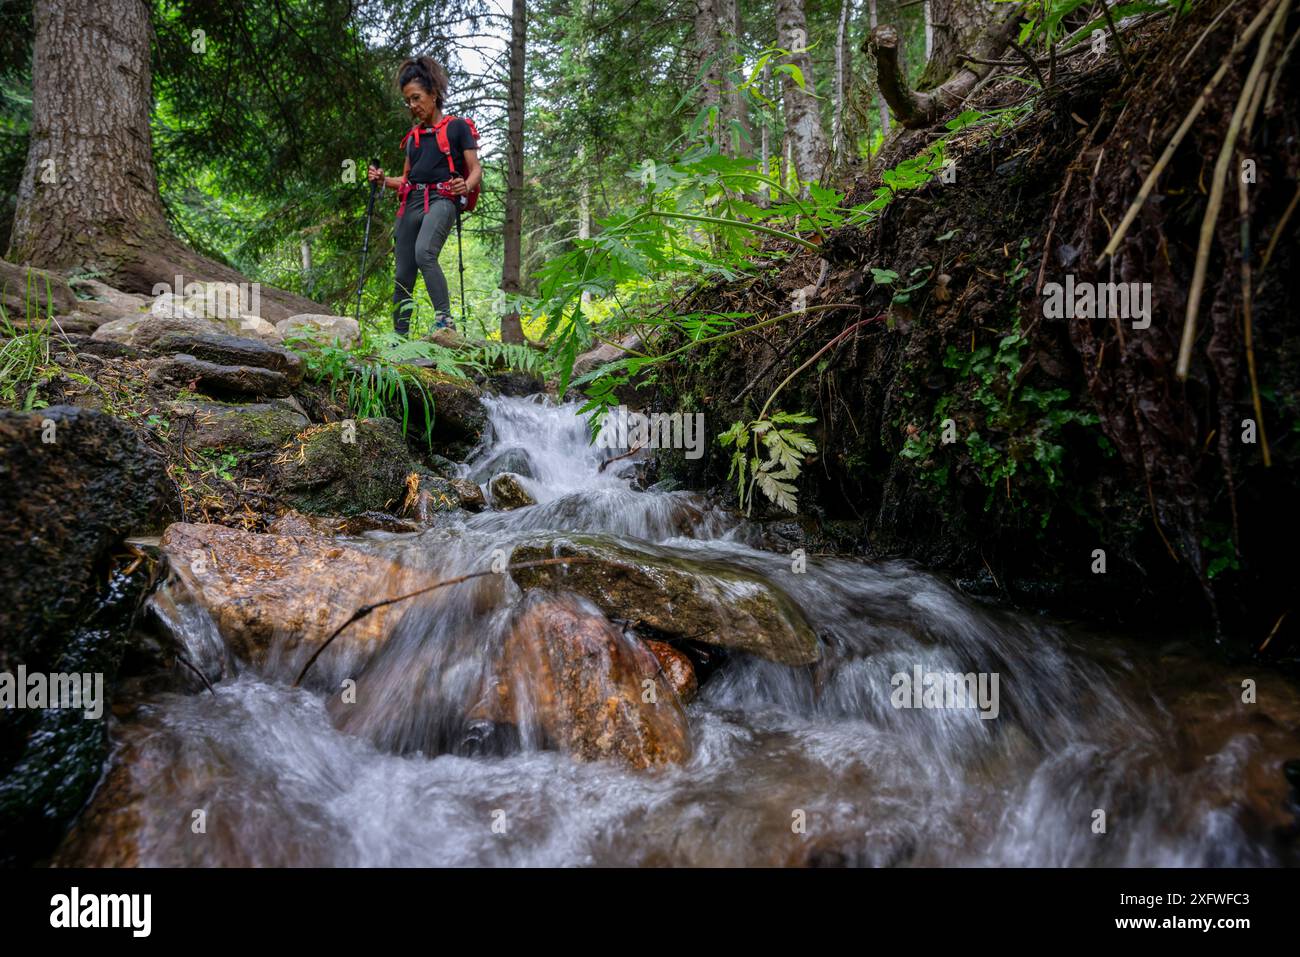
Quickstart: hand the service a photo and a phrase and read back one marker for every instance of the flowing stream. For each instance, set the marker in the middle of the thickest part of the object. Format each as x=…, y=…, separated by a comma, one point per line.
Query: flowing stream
x=788, y=765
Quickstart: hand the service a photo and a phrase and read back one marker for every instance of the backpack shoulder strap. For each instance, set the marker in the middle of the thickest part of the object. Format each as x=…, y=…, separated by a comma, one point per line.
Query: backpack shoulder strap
x=444, y=144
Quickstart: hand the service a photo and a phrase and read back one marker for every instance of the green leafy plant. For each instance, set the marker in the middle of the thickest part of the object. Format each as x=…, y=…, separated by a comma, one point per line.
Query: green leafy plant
x=773, y=467
x=25, y=356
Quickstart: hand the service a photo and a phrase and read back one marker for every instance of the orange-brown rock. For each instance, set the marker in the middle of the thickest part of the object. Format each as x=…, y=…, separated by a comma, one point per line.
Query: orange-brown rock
x=280, y=592
x=677, y=668
x=570, y=675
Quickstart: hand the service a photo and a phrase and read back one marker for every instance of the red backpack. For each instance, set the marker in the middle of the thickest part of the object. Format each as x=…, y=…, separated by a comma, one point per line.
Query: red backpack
x=469, y=200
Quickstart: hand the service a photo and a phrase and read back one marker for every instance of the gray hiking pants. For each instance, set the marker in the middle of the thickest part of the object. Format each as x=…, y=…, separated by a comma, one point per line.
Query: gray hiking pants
x=420, y=238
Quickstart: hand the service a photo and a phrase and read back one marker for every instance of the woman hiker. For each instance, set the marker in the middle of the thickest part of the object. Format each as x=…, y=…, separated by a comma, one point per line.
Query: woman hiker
x=433, y=188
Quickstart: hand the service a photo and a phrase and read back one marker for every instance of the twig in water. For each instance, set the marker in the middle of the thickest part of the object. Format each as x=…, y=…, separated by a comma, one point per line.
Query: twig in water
x=367, y=609
x=632, y=451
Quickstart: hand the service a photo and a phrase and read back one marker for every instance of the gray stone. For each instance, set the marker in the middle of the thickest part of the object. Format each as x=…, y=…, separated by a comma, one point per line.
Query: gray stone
x=185, y=371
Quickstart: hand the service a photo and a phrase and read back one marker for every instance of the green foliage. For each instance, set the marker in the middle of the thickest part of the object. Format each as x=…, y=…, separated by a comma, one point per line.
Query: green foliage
x=773, y=467
x=1220, y=550
x=1021, y=434
x=375, y=377
x=1045, y=20
x=25, y=355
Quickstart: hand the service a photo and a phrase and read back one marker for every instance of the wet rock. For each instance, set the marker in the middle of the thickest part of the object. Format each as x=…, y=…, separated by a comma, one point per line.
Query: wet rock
x=107, y=833
x=275, y=594
x=345, y=468
x=565, y=667
x=458, y=414
x=340, y=329
x=73, y=483
x=52, y=758
x=509, y=460
x=513, y=383
x=256, y=426
x=296, y=523
x=677, y=668
x=229, y=350
x=184, y=371
x=27, y=291
x=434, y=497
x=508, y=493
x=711, y=602
x=469, y=494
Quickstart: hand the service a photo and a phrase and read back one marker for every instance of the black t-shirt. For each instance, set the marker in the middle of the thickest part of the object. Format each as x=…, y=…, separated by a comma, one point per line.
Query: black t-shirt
x=428, y=163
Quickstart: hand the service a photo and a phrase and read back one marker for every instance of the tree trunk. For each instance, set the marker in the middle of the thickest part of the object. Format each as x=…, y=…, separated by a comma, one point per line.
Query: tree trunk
x=511, y=326
x=838, y=139
x=873, y=12
x=954, y=26
x=803, y=120
x=89, y=195
x=708, y=64
x=737, y=137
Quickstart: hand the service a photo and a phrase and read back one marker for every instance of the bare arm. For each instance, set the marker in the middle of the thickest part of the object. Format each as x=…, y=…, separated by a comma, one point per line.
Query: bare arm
x=390, y=182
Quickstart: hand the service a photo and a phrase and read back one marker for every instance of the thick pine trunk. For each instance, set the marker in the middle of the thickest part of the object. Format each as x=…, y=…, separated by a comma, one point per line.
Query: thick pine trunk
x=511, y=327
x=89, y=179
x=89, y=194
x=803, y=121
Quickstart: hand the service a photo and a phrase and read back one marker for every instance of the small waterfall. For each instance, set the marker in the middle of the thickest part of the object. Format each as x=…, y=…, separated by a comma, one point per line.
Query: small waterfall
x=410, y=772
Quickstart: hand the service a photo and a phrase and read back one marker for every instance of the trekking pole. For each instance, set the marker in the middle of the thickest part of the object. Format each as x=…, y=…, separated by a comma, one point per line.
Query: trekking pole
x=365, y=244
x=460, y=259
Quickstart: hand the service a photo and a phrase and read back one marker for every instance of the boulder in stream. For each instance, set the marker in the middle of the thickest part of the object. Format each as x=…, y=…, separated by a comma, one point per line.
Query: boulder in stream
x=594, y=692
x=270, y=595
x=712, y=602
x=508, y=493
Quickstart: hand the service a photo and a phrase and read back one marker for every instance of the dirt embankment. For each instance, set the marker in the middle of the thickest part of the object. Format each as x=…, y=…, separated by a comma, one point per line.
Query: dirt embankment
x=974, y=429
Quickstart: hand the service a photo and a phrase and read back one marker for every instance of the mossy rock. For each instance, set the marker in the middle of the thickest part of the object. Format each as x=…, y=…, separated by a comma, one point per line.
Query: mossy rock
x=458, y=414
x=253, y=426
x=707, y=601
x=345, y=468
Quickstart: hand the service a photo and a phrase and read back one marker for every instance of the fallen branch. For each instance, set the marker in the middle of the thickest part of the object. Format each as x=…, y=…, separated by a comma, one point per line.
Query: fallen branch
x=915, y=110
x=367, y=609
